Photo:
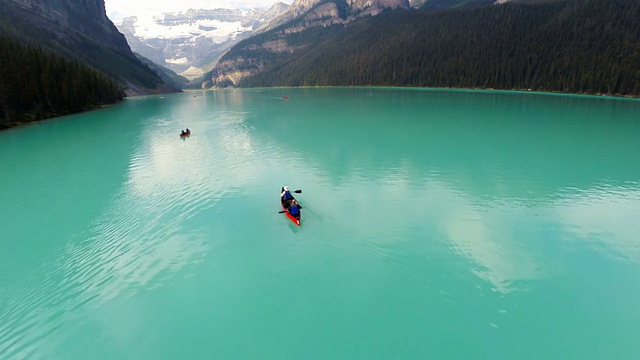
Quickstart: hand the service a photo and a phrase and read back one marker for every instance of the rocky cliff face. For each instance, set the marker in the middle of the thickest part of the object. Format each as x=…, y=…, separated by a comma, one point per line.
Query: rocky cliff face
x=66, y=17
x=80, y=29
x=298, y=17
x=369, y=7
x=324, y=13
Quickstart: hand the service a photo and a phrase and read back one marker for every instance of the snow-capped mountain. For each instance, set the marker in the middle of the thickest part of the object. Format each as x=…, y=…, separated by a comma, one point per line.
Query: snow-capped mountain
x=191, y=42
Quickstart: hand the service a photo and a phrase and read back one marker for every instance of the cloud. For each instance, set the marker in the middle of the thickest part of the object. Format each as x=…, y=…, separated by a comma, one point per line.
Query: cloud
x=606, y=216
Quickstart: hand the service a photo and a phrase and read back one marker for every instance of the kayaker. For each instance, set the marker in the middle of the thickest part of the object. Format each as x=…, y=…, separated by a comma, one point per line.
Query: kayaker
x=294, y=209
x=286, y=196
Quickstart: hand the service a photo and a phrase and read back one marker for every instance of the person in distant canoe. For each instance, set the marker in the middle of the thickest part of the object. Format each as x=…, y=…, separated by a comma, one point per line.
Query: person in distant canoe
x=294, y=209
x=286, y=197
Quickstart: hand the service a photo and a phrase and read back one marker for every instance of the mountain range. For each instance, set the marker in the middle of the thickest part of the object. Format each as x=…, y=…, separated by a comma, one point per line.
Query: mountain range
x=299, y=25
x=190, y=43
x=584, y=46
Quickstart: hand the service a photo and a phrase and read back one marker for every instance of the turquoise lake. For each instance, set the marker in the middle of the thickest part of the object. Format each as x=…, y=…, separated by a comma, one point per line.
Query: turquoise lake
x=436, y=224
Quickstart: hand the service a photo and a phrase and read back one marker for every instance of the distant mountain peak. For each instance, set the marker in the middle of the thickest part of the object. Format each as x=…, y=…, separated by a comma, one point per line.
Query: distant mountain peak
x=190, y=42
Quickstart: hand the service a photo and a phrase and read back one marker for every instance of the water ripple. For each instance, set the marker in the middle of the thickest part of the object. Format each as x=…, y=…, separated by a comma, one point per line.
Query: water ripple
x=493, y=214
x=134, y=248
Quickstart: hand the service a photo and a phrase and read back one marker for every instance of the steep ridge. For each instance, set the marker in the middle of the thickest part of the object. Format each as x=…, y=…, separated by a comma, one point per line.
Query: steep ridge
x=80, y=30
x=302, y=16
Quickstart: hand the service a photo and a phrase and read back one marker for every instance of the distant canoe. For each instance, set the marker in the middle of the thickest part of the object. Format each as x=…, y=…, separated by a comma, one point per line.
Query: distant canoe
x=285, y=98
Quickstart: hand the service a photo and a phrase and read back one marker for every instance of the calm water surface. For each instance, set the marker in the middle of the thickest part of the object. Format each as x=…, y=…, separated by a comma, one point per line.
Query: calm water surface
x=436, y=224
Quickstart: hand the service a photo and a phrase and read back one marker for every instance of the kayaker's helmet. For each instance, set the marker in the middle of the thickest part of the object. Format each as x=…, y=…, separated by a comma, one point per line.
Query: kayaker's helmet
x=286, y=188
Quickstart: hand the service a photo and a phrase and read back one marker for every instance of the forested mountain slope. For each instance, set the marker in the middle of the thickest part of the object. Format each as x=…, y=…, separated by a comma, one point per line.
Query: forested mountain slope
x=36, y=85
x=79, y=30
x=575, y=46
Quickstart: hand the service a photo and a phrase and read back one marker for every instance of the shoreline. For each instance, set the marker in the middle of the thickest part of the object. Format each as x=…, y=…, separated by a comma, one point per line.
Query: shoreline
x=15, y=125
x=497, y=90
x=5, y=127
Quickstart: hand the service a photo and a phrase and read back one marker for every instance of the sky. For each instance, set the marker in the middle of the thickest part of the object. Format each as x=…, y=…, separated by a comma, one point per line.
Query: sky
x=119, y=8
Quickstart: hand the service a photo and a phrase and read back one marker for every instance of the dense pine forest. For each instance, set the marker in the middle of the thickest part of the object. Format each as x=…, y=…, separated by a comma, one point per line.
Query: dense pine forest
x=35, y=85
x=584, y=46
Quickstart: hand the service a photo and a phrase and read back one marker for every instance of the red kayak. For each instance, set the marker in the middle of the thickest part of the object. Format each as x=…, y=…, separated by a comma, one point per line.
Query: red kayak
x=287, y=214
x=185, y=134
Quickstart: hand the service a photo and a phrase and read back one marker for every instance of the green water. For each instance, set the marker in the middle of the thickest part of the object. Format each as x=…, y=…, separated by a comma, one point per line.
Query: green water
x=436, y=224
